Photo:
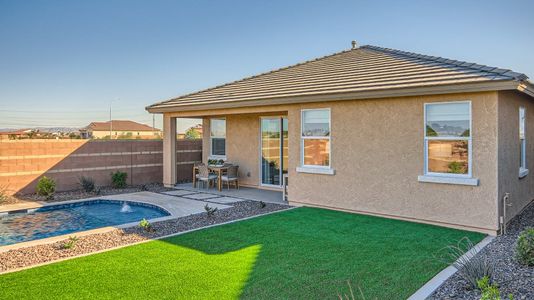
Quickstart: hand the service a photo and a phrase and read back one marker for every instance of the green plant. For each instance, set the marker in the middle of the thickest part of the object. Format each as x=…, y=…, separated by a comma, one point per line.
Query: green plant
x=87, y=183
x=46, y=187
x=262, y=204
x=490, y=291
x=146, y=225
x=471, y=267
x=70, y=243
x=210, y=210
x=525, y=247
x=118, y=179
x=3, y=194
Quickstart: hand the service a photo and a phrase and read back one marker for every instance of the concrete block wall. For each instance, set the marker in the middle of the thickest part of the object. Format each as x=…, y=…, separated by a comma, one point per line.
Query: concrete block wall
x=23, y=162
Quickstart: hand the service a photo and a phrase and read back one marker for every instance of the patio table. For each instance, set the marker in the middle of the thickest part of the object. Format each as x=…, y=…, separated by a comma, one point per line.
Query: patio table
x=217, y=169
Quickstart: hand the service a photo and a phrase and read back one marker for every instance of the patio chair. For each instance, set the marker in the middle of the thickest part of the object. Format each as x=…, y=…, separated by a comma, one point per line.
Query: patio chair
x=231, y=176
x=195, y=170
x=204, y=175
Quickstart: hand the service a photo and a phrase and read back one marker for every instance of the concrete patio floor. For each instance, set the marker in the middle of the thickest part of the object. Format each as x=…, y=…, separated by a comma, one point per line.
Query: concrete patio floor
x=242, y=193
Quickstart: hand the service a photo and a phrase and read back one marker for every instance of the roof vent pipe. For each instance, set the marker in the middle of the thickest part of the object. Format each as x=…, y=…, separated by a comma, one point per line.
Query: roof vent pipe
x=354, y=45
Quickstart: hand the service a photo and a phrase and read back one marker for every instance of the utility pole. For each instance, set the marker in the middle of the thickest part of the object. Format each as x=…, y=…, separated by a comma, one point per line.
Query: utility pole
x=110, y=121
x=154, y=122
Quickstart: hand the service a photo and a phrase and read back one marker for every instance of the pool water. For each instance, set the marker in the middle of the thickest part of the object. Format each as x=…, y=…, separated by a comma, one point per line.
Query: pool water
x=62, y=219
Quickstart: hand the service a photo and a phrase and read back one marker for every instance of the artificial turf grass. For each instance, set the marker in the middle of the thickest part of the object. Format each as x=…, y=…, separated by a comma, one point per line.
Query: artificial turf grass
x=302, y=253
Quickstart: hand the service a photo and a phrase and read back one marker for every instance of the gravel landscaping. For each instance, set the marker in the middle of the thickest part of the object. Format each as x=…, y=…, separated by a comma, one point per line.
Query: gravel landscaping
x=512, y=277
x=29, y=256
x=80, y=194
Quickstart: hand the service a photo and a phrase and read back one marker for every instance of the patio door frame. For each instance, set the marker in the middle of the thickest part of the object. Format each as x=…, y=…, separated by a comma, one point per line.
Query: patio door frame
x=280, y=118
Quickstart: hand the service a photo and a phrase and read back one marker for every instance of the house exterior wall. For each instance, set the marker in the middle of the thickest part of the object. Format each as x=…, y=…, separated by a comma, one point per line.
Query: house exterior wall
x=521, y=190
x=135, y=134
x=377, y=154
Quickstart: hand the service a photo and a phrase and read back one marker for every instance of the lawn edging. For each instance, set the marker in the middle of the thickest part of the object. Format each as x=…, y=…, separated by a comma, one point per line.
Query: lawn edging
x=433, y=284
x=143, y=241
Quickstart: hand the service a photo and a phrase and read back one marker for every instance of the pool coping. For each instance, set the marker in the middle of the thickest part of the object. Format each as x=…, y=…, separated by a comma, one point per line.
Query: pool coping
x=54, y=239
x=144, y=241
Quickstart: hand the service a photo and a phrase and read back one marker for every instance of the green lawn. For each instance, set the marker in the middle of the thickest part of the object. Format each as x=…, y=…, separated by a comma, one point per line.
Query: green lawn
x=305, y=253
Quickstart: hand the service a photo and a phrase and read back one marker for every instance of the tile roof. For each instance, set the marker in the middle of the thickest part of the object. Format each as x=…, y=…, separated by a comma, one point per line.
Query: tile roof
x=120, y=125
x=364, y=69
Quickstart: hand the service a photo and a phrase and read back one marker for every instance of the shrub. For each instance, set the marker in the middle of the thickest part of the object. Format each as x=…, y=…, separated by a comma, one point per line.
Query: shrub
x=262, y=204
x=489, y=291
x=210, y=210
x=118, y=179
x=470, y=266
x=3, y=194
x=525, y=247
x=70, y=243
x=87, y=183
x=46, y=187
x=146, y=225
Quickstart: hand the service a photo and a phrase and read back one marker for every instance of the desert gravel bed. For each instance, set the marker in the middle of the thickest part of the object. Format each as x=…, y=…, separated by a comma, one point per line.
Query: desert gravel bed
x=512, y=277
x=29, y=256
x=80, y=194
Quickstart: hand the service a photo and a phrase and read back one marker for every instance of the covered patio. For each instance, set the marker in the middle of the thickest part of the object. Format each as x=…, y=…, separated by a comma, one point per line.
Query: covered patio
x=248, y=193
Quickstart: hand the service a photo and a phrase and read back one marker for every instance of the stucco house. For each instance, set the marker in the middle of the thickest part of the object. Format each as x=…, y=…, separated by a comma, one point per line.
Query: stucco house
x=377, y=131
x=119, y=129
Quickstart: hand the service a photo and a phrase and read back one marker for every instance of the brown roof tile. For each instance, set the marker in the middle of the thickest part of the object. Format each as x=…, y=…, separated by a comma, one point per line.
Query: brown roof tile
x=368, y=68
x=120, y=125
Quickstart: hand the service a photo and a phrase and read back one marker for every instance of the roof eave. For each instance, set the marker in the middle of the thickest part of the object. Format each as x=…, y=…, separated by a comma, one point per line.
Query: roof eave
x=385, y=93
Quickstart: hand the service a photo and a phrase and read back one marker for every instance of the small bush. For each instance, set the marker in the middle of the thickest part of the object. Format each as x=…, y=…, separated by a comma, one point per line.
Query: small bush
x=262, y=204
x=210, y=210
x=470, y=266
x=70, y=243
x=118, y=179
x=46, y=187
x=489, y=291
x=87, y=183
x=146, y=225
x=525, y=247
x=3, y=194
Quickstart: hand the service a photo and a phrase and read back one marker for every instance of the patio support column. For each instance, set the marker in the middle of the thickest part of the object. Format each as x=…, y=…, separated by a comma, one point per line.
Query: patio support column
x=169, y=151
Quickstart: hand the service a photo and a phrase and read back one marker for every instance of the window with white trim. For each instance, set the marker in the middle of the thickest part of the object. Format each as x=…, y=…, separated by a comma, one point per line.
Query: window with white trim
x=448, y=139
x=315, y=138
x=523, y=171
x=218, y=137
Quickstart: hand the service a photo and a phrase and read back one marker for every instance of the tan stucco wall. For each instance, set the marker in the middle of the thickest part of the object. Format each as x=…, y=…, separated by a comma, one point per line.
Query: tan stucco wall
x=242, y=144
x=377, y=154
x=142, y=134
x=521, y=190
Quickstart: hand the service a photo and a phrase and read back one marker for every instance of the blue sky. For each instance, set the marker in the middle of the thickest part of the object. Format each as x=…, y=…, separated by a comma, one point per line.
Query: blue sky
x=63, y=62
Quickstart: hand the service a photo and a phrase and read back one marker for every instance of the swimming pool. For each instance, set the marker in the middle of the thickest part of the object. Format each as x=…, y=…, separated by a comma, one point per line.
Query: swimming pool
x=54, y=220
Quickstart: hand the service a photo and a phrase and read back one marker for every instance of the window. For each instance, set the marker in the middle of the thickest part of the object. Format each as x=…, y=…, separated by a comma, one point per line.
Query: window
x=218, y=137
x=448, y=139
x=523, y=171
x=315, y=138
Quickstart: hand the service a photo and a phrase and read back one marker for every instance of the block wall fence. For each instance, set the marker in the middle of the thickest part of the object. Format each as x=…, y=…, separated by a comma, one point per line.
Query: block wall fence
x=23, y=162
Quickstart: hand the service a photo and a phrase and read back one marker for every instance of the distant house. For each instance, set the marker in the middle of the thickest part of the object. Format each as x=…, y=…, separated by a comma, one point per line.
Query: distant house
x=120, y=129
x=193, y=132
x=15, y=134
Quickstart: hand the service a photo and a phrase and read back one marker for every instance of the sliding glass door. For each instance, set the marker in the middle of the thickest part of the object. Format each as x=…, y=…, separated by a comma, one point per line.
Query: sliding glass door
x=273, y=150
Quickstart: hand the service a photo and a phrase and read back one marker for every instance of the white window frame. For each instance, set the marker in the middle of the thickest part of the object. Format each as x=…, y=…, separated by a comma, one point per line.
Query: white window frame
x=213, y=156
x=468, y=139
x=302, y=138
x=523, y=170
